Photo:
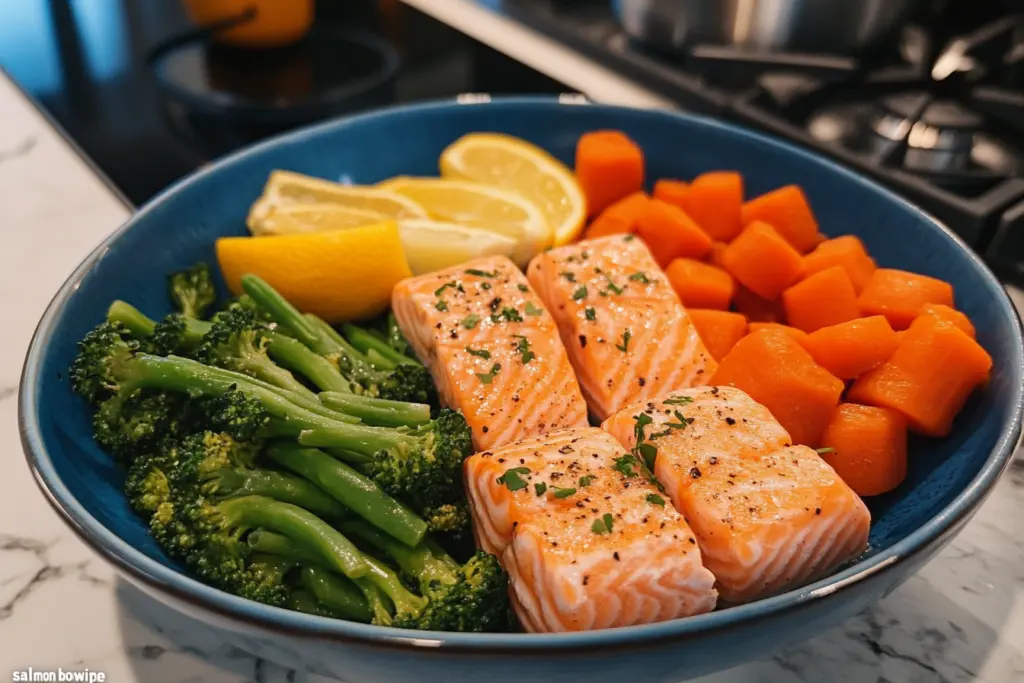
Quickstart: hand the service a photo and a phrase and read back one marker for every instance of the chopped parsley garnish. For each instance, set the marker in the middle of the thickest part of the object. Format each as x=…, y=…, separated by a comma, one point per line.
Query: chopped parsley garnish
x=580, y=293
x=655, y=499
x=532, y=310
x=513, y=480
x=641, y=421
x=647, y=453
x=658, y=435
x=629, y=238
x=586, y=480
x=626, y=464
x=470, y=321
x=682, y=423
x=624, y=346
x=523, y=288
x=540, y=487
x=480, y=353
x=571, y=277
x=440, y=290
x=603, y=525
x=508, y=314
x=590, y=313
x=824, y=451
x=481, y=273
x=678, y=401
x=563, y=493
x=485, y=286
x=488, y=377
x=523, y=348
x=640, y=277
x=614, y=287
x=441, y=306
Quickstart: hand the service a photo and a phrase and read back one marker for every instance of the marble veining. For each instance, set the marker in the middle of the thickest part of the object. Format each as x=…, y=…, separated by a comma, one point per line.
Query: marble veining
x=960, y=620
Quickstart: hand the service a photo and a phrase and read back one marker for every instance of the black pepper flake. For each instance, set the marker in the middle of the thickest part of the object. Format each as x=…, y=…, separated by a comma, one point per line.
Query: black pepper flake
x=501, y=459
x=583, y=343
x=695, y=473
x=817, y=511
x=485, y=429
x=692, y=540
x=641, y=381
x=616, y=556
x=586, y=579
x=566, y=449
x=730, y=421
x=713, y=460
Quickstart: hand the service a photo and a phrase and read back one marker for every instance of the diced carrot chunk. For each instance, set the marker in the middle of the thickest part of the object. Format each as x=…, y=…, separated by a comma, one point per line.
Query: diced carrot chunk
x=714, y=256
x=929, y=376
x=777, y=373
x=900, y=296
x=825, y=298
x=846, y=251
x=958, y=318
x=619, y=218
x=670, y=233
x=609, y=166
x=762, y=260
x=714, y=200
x=756, y=308
x=675, y=192
x=869, y=448
x=787, y=210
x=850, y=349
x=793, y=332
x=719, y=330
x=700, y=285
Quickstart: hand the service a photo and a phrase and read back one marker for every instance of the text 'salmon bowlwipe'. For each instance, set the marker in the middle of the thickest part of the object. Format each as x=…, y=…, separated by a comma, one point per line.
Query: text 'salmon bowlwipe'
x=31, y=675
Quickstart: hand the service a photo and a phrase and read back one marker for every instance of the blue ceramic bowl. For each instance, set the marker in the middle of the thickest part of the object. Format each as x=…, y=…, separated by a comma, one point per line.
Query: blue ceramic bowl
x=948, y=478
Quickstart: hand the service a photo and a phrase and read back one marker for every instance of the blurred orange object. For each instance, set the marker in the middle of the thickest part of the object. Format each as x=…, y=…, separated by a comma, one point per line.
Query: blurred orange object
x=275, y=22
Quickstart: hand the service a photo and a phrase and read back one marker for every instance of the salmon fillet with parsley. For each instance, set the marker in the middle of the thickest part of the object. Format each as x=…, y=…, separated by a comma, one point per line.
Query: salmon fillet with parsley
x=628, y=336
x=492, y=349
x=587, y=539
x=768, y=515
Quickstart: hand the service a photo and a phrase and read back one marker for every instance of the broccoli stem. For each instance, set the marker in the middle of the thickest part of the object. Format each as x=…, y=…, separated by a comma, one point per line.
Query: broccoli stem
x=338, y=343
x=284, y=314
x=426, y=562
x=134, y=320
x=297, y=357
x=175, y=373
x=356, y=492
x=279, y=486
x=333, y=549
x=365, y=342
x=362, y=440
x=264, y=369
x=303, y=601
x=377, y=411
x=337, y=594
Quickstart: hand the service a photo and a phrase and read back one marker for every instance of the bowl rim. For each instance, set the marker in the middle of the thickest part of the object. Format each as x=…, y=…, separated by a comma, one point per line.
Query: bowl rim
x=141, y=569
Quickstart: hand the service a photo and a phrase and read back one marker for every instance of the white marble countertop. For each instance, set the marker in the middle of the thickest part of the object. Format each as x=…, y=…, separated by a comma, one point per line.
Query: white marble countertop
x=961, y=619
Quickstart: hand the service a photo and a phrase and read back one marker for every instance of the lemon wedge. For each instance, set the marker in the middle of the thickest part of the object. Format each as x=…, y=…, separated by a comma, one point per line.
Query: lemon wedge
x=339, y=275
x=514, y=164
x=434, y=245
x=475, y=205
x=292, y=219
x=286, y=187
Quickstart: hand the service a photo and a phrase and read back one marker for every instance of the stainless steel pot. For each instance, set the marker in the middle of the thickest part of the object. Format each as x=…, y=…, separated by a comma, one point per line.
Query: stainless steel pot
x=835, y=26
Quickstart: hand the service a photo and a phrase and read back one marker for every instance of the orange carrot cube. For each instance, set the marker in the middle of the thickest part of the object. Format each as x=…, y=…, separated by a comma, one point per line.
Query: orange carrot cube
x=793, y=332
x=609, y=166
x=700, y=285
x=823, y=299
x=943, y=312
x=868, y=448
x=900, y=296
x=675, y=192
x=670, y=233
x=619, y=218
x=846, y=251
x=777, y=373
x=719, y=330
x=928, y=378
x=714, y=200
x=761, y=260
x=787, y=210
x=850, y=349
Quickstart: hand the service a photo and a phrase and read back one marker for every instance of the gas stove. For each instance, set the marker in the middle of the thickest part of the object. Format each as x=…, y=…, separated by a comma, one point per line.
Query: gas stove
x=937, y=116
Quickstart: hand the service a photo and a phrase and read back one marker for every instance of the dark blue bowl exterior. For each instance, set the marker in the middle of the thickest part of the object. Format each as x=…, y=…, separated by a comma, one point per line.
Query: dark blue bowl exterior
x=947, y=477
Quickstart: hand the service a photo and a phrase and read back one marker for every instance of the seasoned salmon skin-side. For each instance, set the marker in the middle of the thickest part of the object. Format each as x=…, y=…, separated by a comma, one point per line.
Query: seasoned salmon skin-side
x=492, y=349
x=588, y=541
x=628, y=335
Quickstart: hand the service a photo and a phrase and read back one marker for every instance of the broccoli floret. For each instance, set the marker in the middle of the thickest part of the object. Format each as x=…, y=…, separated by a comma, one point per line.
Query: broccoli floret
x=450, y=518
x=422, y=466
x=135, y=424
x=468, y=597
x=238, y=341
x=192, y=290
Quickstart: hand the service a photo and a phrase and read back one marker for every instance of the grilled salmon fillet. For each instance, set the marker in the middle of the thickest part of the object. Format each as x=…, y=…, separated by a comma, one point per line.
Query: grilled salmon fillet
x=768, y=515
x=492, y=349
x=628, y=336
x=587, y=539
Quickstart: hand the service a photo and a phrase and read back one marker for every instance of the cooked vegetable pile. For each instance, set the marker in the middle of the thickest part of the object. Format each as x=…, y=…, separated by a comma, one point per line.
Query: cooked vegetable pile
x=288, y=463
